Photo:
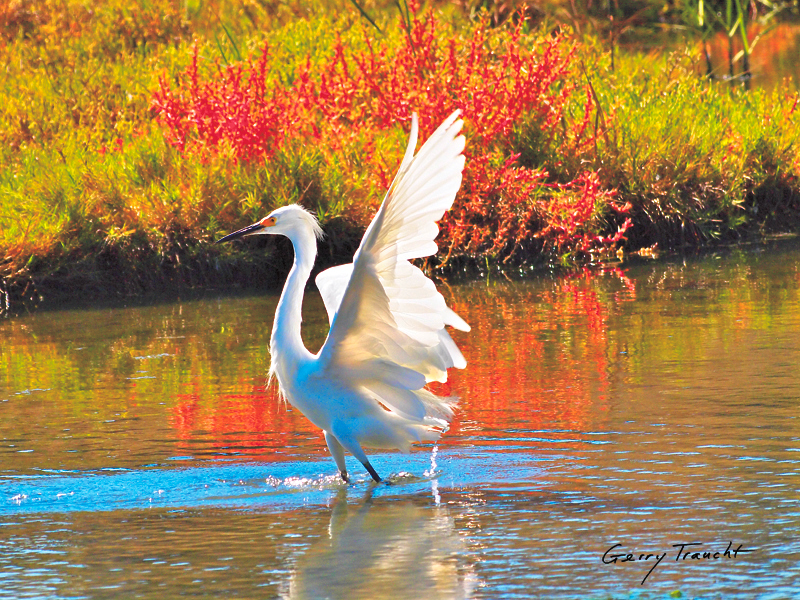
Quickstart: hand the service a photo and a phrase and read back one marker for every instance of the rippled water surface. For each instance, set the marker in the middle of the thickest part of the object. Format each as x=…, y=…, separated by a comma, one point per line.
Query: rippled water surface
x=636, y=408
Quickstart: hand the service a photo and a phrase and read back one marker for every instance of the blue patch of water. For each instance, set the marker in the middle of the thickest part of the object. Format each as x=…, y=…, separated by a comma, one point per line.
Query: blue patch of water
x=251, y=485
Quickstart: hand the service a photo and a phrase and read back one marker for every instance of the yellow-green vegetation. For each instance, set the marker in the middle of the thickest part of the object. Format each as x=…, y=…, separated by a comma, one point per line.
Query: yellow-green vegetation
x=698, y=162
x=98, y=198
x=93, y=199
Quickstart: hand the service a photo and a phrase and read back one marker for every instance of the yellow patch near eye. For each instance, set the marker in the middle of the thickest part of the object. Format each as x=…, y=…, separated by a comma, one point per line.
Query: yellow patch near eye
x=268, y=221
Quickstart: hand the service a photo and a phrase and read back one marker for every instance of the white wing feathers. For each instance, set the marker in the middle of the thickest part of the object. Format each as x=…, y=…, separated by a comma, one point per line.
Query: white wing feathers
x=331, y=284
x=387, y=319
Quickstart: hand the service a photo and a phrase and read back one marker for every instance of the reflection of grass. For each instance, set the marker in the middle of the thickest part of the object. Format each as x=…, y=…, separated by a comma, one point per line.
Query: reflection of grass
x=96, y=200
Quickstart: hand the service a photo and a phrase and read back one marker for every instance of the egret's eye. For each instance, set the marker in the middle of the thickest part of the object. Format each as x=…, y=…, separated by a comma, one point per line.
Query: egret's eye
x=268, y=221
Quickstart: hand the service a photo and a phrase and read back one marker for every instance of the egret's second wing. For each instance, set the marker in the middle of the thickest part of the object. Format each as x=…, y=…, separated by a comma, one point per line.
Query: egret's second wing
x=332, y=284
x=388, y=326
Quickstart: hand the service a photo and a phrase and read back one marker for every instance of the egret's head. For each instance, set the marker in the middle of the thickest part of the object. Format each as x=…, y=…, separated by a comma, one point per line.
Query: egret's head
x=293, y=221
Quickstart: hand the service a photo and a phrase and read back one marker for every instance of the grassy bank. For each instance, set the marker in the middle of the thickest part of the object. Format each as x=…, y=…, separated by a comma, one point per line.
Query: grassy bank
x=131, y=138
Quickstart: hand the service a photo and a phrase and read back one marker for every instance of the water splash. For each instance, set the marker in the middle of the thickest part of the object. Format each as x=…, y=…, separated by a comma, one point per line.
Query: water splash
x=430, y=472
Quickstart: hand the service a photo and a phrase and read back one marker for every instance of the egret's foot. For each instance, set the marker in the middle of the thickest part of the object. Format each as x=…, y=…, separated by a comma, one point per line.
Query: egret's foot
x=372, y=471
x=345, y=477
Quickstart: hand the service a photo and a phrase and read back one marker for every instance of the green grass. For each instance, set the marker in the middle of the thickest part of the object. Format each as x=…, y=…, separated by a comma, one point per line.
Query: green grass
x=95, y=200
x=698, y=161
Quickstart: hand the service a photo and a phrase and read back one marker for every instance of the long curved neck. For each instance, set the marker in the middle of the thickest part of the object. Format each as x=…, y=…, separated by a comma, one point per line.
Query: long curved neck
x=286, y=344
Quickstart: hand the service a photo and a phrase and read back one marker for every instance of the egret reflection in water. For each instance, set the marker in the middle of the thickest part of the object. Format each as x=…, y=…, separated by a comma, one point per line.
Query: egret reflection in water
x=384, y=548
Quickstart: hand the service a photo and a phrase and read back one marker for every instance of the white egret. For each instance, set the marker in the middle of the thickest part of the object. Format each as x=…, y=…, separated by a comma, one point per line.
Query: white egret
x=365, y=388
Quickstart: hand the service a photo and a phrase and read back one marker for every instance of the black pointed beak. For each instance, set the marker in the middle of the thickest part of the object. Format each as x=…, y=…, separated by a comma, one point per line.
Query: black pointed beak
x=241, y=233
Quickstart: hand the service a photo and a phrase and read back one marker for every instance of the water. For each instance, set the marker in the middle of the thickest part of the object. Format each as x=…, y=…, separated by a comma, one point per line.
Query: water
x=773, y=60
x=606, y=413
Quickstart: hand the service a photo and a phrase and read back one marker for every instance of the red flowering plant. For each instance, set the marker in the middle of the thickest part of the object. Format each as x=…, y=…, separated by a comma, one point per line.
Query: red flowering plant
x=238, y=108
x=506, y=83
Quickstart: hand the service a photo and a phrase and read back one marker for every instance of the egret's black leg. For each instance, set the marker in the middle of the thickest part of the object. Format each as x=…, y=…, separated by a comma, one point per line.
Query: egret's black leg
x=344, y=476
x=372, y=471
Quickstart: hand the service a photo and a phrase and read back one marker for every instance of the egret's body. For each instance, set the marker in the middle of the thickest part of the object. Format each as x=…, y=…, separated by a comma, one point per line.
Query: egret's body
x=365, y=388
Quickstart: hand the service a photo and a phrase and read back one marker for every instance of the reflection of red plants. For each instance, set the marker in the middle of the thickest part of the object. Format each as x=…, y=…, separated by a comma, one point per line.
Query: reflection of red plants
x=501, y=81
x=258, y=422
x=537, y=361
x=538, y=367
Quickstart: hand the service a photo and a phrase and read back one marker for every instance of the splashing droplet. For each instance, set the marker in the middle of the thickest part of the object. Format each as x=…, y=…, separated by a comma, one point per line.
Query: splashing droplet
x=430, y=472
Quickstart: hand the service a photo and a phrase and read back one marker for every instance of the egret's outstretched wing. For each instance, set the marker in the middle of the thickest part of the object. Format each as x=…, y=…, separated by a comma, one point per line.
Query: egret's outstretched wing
x=387, y=319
